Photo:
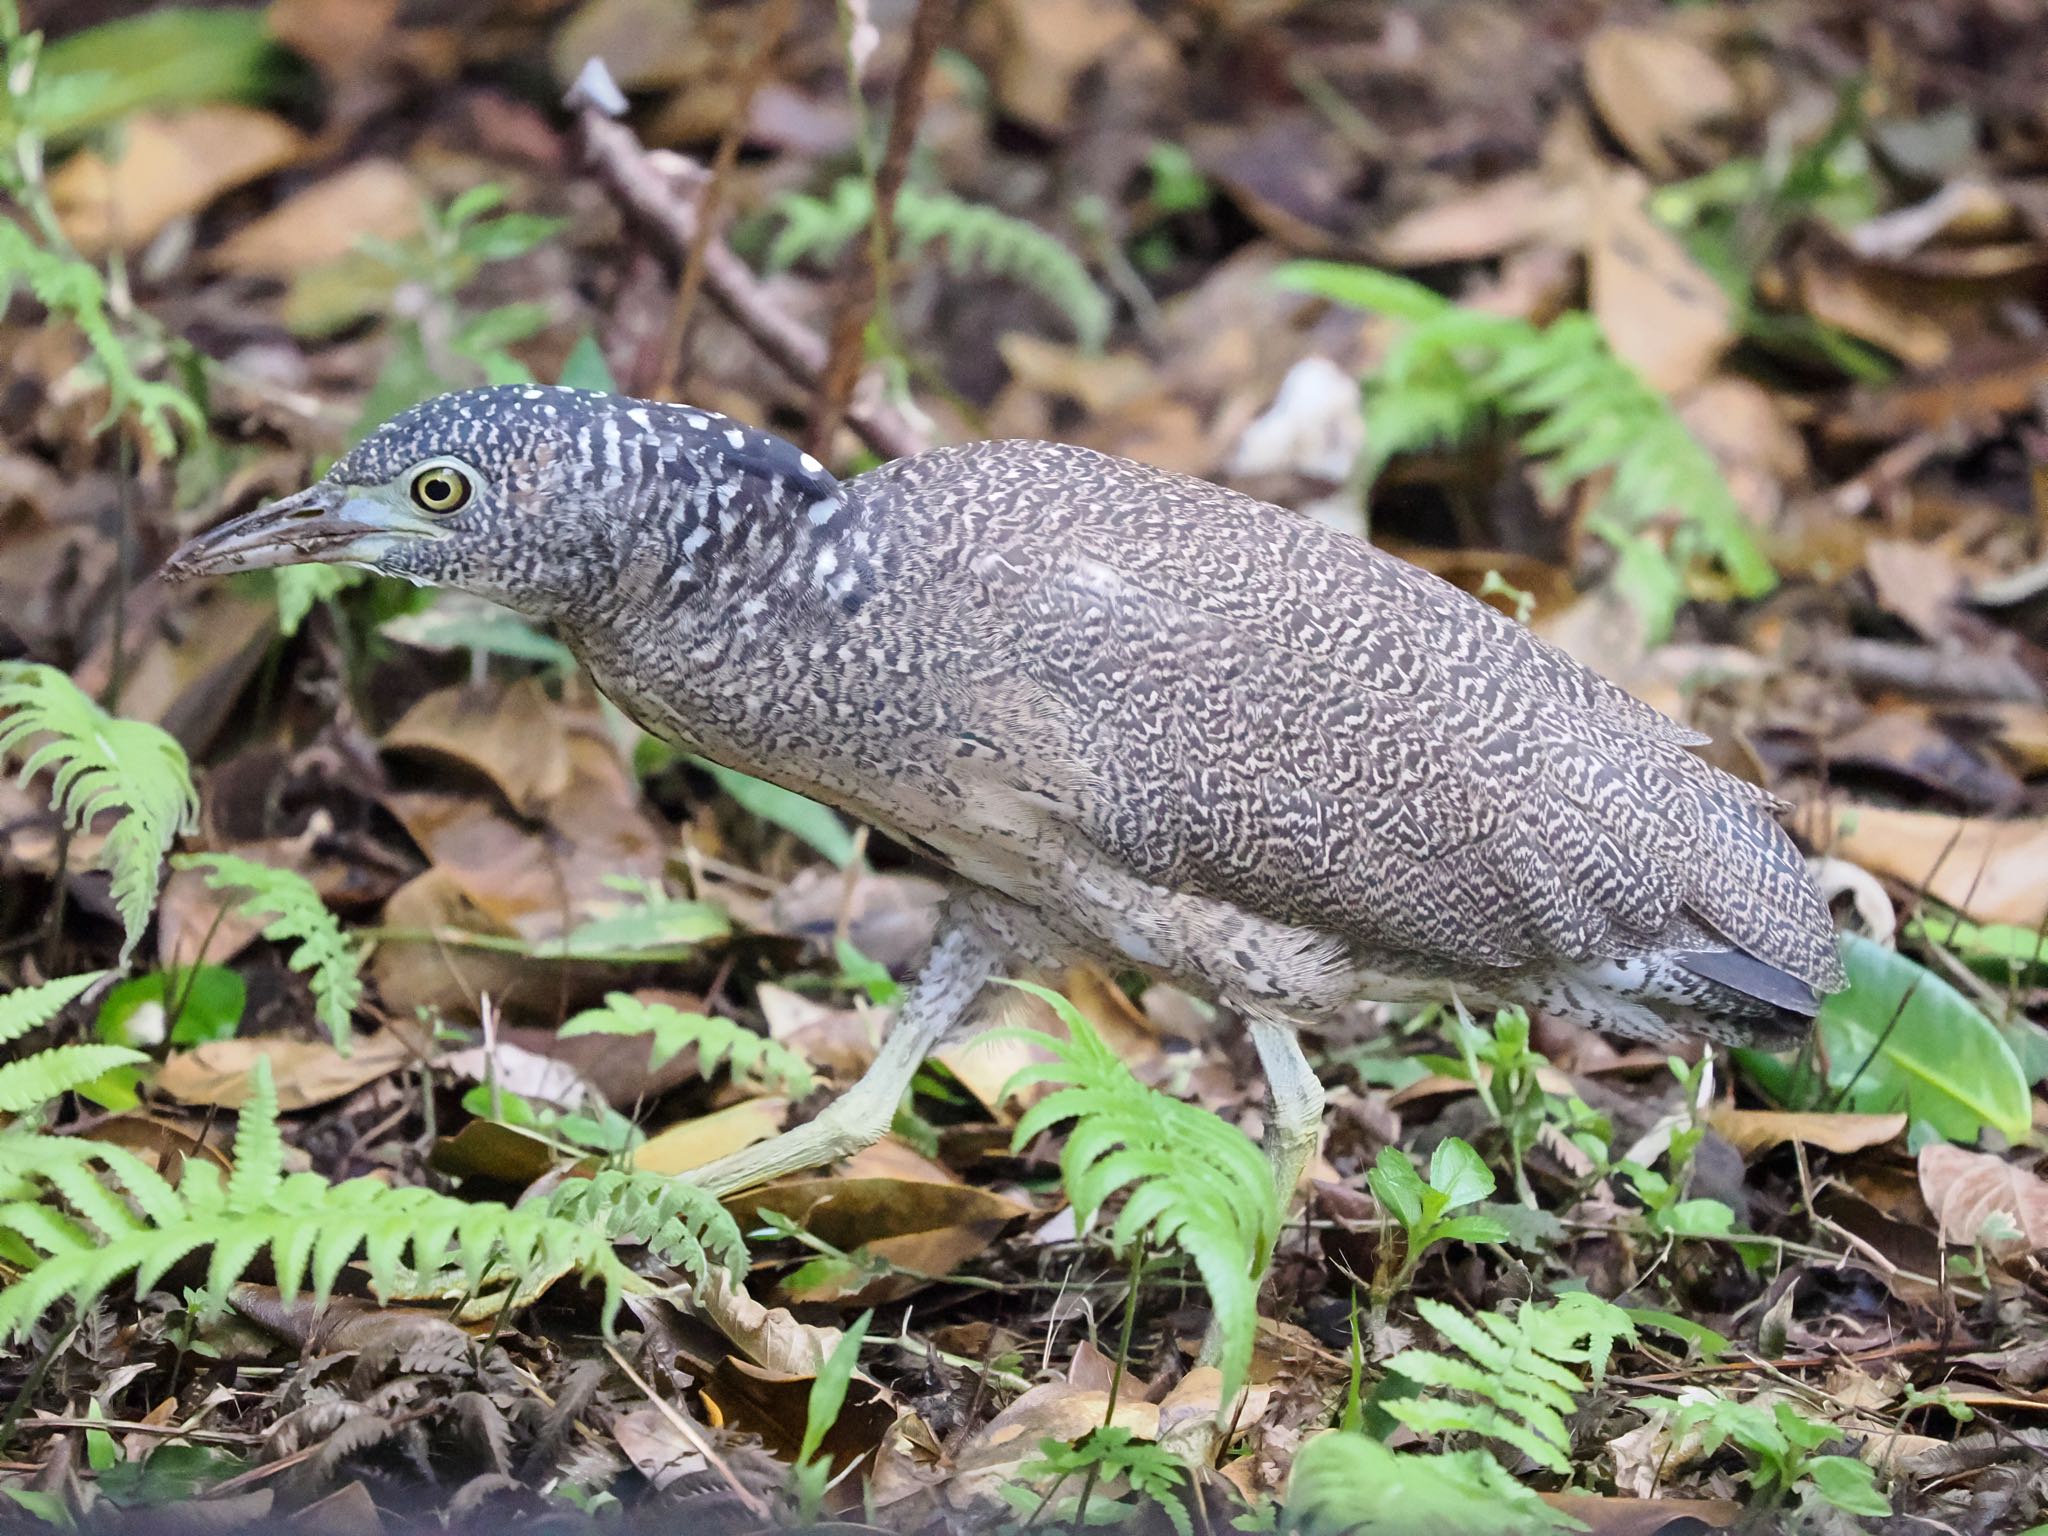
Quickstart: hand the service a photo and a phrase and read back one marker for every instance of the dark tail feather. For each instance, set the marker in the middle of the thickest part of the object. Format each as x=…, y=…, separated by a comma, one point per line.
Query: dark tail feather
x=1781, y=1005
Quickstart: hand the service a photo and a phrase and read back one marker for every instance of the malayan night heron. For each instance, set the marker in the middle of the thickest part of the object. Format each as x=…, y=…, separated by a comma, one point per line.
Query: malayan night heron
x=1138, y=716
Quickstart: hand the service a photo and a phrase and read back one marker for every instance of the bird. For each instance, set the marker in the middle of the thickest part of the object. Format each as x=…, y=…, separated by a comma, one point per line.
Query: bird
x=1140, y=718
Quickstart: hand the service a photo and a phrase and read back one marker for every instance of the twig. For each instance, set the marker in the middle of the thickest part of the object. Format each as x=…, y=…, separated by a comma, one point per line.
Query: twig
x=867, y=291
x=641, y=184
x=680, y=1423
x=676, y=348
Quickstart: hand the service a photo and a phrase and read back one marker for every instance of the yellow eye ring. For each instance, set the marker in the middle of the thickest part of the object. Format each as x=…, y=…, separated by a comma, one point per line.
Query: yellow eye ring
x=440, y=490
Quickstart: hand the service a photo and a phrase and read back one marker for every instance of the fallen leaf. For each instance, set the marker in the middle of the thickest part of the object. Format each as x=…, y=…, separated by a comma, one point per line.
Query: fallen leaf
x=325, y=222
x=1661, y=312
x=897, y=1205
x=1966, y=1189
x=1656, y=91
x=1487, y=221
x=169, y=166
x=1041, y=49
x=1751, y=1130
x=1995, y=871
x=513, y=736
x=770, y=1336
x=993, y=1454
x=658, y=1450
x=306, y=1072
x=693, y=1143
x=1605, y=1515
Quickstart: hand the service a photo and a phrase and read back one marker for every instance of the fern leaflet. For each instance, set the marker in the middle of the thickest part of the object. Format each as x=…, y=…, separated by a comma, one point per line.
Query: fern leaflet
x=1197, y=1183
x=92, y=1212
x=1347, y=1482
x=330, y=959
x=1520, y=1375
x=66, y=285
x=101, y=763
x=33, y=1081
x=756, y=1057
x=974, y=234
x=682, y=1224
x=1581, y=411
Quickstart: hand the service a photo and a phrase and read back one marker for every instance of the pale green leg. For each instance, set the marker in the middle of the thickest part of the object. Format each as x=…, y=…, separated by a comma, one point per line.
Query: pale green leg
x=962, y=961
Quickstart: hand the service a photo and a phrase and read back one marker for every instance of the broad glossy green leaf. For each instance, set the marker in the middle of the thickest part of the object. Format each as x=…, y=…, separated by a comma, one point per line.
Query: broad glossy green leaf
x=1900, y=1037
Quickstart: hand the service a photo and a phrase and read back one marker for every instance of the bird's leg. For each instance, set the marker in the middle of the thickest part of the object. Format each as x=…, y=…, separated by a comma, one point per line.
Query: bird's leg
x=961, y=962
x=1294, y=1102
x=1294, y=1123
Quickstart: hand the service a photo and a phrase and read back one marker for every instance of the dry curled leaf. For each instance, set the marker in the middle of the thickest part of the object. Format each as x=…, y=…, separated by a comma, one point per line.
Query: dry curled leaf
x=1980, y=1198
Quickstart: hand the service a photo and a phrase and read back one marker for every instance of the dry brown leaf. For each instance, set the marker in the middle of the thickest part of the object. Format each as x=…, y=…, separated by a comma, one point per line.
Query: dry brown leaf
x=770, y=1336
x=326, y=221
x=1605, y=1515
x=1898, y=313
x=169, y=166
x=1656, y=91
x=1487, y=221
x=1055, y=1411
x=1661, y=313
x=306, y=1072
x=516, y=737
x=693, y=1143
x=1043, y=48
x=1965, y=1190
x=1751, y=1130
x=658, y=1451
x=898, y=1205
x=1993, y=871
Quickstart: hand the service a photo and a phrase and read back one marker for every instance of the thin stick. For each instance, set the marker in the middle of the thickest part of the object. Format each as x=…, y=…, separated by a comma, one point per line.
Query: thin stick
x=675, y=350
x=680, y=1423
x=643, y=190
x=868, y=292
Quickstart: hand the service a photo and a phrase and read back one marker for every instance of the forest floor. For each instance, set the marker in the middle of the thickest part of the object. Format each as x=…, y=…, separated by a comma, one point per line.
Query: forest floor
x=1639, y=1292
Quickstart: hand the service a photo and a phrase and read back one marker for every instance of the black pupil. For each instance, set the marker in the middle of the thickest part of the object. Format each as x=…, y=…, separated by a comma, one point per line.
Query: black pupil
x=440, y=489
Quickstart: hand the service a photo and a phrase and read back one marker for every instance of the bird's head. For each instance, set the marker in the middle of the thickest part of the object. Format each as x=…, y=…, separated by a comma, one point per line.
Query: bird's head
x=544, y=499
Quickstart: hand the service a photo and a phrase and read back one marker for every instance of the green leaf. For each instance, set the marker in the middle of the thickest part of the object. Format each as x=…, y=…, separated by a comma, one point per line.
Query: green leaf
x=101, y=764
x=815, y=824
x=828, y=1390
x=586, y=368
x=1900, y=1037
x=291, y=910
x=167, y=57
x=1459, y=1174
x=209, y=1001
x=1344, y=1482
x=1849, y=1485
x=1397, y=1186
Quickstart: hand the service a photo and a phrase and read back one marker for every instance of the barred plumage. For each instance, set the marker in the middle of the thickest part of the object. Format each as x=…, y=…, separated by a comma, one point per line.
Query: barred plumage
x=1138, y=715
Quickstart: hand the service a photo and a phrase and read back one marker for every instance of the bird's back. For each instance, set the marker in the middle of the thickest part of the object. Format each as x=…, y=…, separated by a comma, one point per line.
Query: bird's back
x=1272, y=714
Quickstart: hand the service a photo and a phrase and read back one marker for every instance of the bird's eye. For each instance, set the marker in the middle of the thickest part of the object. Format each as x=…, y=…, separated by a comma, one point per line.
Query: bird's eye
x=440, y=489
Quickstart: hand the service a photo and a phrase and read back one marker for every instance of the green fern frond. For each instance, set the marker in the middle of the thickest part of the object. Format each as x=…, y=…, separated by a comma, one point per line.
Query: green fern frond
x=767, y=1062
x=65, y=285
x=27, y=1008
x=682, y=1224
x=1351, y=1483
x=974, y=235
x=36, y=1080
x=1196, y=1182
x=101, y=763
x=1577, y=407
x=94, y=1213
x=331, y=960
x=1519, y=1375
x=33, y=1081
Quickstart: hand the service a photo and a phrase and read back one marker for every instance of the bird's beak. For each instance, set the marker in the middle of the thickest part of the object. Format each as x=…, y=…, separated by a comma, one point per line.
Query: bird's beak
x=322, y=524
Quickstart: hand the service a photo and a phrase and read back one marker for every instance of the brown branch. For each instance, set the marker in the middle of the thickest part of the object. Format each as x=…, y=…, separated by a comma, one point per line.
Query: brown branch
x=643, y=185
x=868, y=289
x=676, y=346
